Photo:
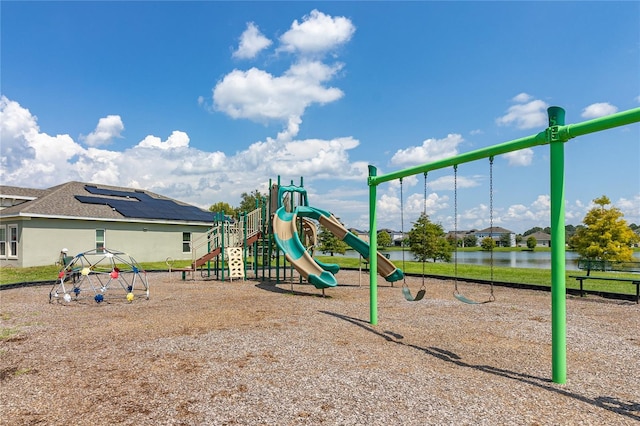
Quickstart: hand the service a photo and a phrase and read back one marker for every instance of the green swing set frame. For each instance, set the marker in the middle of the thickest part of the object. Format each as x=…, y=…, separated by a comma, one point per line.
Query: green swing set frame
x=555, y=135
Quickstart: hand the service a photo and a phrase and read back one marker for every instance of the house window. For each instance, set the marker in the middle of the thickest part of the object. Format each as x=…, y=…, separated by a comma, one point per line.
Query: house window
x=13, y=240
x=186, y=242
x=100, y=240
x=3, y=241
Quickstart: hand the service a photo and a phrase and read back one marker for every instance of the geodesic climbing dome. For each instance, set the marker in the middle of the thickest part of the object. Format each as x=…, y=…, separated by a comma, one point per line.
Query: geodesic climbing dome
x=101, y=275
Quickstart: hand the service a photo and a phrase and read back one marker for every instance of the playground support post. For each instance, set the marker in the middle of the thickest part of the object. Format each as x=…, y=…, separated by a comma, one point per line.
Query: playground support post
x=373, y=242
x=556, y=134
x=558, y=278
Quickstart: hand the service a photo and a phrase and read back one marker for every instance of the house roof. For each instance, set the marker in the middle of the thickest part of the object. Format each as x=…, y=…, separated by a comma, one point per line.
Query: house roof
x=495, y=230
x=18, y=192
x=101, y=202
x=540, y=236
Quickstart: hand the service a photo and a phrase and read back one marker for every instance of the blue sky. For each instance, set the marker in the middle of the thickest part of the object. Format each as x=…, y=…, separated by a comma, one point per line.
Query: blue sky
x=202, y=101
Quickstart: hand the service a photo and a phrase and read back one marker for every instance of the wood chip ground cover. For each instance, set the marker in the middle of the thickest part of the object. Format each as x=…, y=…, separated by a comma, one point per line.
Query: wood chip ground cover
x=253, y=353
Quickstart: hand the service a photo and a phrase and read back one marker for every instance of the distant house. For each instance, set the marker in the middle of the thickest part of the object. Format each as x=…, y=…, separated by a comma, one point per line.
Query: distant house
x=396, y=236
x=497, y=234
x=459, y=236
x=542, y=239
x=363, y=235
x=36, y=224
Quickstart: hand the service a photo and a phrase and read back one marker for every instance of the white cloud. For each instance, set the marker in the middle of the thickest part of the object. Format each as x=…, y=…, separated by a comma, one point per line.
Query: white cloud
x=259, y=96
x=430, y=150
x=318, y=33
x=388, y=206
x=523, y=157
x=177, y=139
x=27, y=155
x=542, y=202
x=252, y=41
x=416, y=204
x=526, y=114
x=474, y=218
x=16, y=126
x=522, y=98
x=599, y=110
x=448, y=183
x=630, y=208
x=537, y=213
x=170, y=167
x=108, y=128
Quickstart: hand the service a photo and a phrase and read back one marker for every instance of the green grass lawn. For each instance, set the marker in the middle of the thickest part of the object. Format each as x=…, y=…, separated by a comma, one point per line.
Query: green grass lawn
x=541, y=277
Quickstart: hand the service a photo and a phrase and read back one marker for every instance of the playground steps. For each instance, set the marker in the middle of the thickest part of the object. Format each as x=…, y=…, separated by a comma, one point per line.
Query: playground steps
x=253, y=238
x=206, y=258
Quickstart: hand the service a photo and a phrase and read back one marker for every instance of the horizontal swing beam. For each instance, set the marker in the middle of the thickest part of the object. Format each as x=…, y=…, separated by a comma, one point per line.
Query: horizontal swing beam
x=551, y=134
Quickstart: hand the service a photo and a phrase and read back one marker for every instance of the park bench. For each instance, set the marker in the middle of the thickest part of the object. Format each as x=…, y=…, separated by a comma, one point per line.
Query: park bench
x=607, y=266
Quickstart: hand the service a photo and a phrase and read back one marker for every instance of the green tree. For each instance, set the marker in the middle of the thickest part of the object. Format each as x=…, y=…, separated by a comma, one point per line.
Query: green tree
x=427, y=241
x=532, y=231
x=532, y=242
x=470, y=240
x=505, y=240
x=221, y=206
x=248, y=201
x=518, y=239
x=384, y=239
x=488, y=243
x=329, y=243
x=605, y=235
x=569, y=231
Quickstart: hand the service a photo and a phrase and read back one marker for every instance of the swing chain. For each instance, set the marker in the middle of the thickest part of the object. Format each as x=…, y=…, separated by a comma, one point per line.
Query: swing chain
x=455, y=226
x=424, y=212
x=424, y=206
x=404, y=268
x=492, y=297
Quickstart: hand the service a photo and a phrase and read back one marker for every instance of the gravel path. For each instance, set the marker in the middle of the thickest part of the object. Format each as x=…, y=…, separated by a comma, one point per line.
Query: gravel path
x=252, y=353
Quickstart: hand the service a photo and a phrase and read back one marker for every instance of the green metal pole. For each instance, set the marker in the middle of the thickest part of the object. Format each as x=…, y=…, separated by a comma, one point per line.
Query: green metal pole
x=373, y=242
x=222, y=248
x=244, y=244
x=269, y=229
x=601, y=123
x=278, y=250
x=558, y=259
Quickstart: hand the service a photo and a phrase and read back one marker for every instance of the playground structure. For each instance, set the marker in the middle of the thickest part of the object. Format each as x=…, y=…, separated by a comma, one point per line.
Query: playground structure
x=227, y=242
x=284, y=220
x=101, y=275
x=556, y=134
x=285, y=231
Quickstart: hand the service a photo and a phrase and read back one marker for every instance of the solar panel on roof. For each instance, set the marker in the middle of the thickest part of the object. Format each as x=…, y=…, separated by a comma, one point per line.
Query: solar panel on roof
x=145, y=207
x=111, y=192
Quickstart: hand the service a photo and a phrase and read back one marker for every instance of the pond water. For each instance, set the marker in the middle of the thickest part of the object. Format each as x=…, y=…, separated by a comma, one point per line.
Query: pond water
x=513, y=259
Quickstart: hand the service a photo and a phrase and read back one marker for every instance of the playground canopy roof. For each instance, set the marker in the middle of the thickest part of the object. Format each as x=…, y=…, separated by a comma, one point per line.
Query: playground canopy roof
x=90, y=201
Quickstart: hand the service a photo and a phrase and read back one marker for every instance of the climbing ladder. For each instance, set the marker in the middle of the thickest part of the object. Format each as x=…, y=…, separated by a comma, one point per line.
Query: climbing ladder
x=235, y=262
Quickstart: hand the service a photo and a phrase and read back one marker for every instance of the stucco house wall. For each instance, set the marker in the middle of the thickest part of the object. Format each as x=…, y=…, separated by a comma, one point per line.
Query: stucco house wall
x=44, y=230
x=43, y=239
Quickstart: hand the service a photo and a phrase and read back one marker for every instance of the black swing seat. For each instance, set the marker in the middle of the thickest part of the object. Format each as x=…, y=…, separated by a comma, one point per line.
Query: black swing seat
x=407, y=294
